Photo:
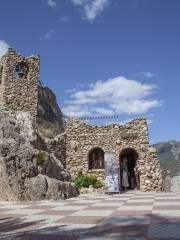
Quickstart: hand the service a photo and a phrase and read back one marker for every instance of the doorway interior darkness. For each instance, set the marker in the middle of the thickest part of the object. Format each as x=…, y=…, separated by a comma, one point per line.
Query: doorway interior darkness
x=131, y=155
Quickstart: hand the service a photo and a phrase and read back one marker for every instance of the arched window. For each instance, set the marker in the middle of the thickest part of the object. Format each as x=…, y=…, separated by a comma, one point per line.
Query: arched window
x=21, y=70
x=96, y=159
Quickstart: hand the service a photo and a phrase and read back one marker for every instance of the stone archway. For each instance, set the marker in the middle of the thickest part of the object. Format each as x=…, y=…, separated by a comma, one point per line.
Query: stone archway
x=132, y=156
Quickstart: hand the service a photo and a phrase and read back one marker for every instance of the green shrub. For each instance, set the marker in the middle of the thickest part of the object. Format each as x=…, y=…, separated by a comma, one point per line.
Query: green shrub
x=98, y=184
x=41, y=158
x=86, y=181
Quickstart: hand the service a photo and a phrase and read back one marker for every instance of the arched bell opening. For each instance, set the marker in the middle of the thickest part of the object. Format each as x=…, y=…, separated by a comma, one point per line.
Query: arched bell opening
x=96, y=159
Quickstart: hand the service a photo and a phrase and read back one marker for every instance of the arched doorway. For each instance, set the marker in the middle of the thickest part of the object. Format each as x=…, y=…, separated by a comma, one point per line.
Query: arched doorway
x=132, y=156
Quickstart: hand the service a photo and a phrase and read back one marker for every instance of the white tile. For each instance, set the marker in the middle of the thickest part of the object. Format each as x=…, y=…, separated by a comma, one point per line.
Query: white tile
x=77, y=226
x=7, y=203
x=96, y=196
x=88, y=201
x=108, y=204
x=146, y=193
x=14, y=206
x=135, y=208
x=168, y=213
x=143, y=196
x=140, y=201
x=69, y=207
x=54, y=203
x=24, y=211
x=166, y=194
x=168, y=197
x=166, y=203
x=120, y=199
x=126, y=195
x=41, y=218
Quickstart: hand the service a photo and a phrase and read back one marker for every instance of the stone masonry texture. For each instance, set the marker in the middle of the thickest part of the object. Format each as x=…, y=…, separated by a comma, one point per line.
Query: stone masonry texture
x=21, y=90
x=19, y=78
x=82, y=138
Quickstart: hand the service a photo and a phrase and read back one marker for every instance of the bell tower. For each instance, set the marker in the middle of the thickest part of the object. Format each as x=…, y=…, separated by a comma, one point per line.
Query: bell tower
x=19, y=79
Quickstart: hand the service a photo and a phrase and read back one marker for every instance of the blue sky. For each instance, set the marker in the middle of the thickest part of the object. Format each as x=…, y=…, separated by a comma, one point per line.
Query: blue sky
x=104, y=56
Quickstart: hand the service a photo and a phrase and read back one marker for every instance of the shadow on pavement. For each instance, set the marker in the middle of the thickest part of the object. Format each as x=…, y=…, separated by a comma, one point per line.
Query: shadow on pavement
x=147, y=227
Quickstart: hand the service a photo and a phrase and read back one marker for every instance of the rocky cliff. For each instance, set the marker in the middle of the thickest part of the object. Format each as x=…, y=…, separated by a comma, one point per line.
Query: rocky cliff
x=169, y=156
x=49, y=116
x=22, y=177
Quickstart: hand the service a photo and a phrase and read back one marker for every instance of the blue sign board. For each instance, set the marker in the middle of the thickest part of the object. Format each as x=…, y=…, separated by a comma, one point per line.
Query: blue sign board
x=112, y=178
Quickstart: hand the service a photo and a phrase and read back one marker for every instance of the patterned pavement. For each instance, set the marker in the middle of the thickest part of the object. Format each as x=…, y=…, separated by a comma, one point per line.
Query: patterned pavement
x=128, y=216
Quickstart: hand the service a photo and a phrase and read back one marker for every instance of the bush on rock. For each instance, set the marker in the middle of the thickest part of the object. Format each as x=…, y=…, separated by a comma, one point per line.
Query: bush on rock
x=85, y=181
x=41, y=158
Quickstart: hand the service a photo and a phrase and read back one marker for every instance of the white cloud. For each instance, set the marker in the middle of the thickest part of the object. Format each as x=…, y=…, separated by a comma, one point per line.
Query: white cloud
x=3, y=47
x=148, y=74
x=48, y=35
x=51, y=3
x=91, y=9
x=113, y=96
x=103, y=111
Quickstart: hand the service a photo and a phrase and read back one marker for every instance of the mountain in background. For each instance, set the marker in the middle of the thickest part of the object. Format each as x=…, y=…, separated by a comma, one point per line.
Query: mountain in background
x=169, y=156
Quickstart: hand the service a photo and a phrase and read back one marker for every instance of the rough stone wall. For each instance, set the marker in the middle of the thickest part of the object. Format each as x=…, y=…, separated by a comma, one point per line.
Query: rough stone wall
x=20, y=90
x=57, y=146
x=1, y=86
x=81, y=138
x=19, y=78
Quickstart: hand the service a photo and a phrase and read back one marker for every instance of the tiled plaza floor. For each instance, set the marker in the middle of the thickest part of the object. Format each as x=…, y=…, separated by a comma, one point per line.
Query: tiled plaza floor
x=128, y=216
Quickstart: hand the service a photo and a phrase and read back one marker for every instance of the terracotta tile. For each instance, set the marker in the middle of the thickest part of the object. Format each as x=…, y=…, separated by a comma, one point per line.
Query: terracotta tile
x=3, y=210
x=58, y=212
x=142, y=198
x=27, y=203
x=45, y=207
x=172, y=207
x=139, y=204
x=8, y=215
x=131, y=213
x=80, y=220
x=166, y=200
x=101, y=208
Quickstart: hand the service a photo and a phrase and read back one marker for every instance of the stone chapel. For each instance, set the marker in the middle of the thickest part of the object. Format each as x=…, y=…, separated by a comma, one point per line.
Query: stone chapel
x=81, y=147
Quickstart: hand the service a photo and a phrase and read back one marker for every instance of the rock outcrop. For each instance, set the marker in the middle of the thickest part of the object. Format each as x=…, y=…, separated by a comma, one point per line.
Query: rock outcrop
x=49, y=116
x=20, y=176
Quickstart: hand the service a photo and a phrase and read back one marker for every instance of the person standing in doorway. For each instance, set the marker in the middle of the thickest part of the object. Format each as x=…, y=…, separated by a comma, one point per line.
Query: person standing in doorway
x=136, y=172
x=125, y=173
